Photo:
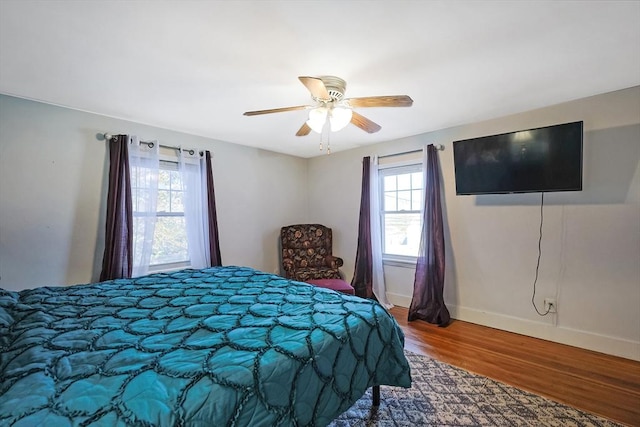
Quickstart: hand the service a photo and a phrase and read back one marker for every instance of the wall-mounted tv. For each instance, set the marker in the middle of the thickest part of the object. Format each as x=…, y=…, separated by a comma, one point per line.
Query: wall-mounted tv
x=534, y=160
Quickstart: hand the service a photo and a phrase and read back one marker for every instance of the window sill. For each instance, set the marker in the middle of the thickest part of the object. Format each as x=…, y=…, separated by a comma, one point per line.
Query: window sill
x=404, y=262
x=169, y=267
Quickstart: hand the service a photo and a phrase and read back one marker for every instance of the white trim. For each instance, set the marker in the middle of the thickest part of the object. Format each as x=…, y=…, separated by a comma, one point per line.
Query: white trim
x=587, y=340
x=402, y=159
x=405, y=167
x=573, y=337
x=399, y=299
x=170, y=266
x=400, y=261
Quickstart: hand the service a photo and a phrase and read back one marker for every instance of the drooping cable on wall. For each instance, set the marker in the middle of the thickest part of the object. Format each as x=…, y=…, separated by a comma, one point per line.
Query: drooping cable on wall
x=110, y=137
x=533, y=297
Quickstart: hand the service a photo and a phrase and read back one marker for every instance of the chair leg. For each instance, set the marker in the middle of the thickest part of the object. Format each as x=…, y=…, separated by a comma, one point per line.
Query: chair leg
x=376, y=395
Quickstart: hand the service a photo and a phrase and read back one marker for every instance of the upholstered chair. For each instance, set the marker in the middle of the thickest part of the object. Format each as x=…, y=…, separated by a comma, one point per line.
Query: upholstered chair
x=306, y=253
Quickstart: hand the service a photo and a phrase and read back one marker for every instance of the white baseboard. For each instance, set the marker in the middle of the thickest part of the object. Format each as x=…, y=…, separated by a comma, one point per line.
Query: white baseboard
x=397, y=299
x=573, y=337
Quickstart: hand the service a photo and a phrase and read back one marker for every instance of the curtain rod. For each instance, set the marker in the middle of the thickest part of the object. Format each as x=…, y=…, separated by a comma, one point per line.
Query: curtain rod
x=438, y=147
x=150, y=144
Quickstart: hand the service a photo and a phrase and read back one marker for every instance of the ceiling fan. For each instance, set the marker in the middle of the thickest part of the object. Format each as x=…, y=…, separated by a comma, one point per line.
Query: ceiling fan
x=330, y=106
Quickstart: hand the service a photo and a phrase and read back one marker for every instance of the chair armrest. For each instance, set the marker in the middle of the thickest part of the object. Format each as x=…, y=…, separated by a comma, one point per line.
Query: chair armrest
x=288, y=266
x=334, y=261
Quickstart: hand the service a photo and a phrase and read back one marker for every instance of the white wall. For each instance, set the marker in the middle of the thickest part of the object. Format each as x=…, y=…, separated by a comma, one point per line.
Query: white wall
x=52, y=202
x=591, y=239
x=53, y=172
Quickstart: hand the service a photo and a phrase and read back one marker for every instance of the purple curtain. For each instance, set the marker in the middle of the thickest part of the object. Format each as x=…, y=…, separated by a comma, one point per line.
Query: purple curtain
x=362, y=280
x=214, y=241
x=117, y=260
x=428, y=300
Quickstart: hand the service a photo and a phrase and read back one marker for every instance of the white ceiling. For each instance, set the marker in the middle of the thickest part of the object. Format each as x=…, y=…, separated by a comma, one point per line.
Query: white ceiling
x=196, y=66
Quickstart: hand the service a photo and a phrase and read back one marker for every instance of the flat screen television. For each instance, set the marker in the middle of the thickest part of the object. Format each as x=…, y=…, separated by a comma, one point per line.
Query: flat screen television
x=535, y=160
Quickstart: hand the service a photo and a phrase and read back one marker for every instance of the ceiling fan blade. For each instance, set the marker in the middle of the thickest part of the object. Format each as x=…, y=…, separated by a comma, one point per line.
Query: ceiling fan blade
x=365, y=124
x=275, y=110
x=304, y=130
x=316, y=87
x=381, y=101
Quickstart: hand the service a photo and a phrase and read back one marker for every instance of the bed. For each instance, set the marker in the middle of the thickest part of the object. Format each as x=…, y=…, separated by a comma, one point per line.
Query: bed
x=224, y=346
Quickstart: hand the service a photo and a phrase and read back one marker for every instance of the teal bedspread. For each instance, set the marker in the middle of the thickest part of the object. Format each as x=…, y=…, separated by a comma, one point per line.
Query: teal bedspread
x=225, y=346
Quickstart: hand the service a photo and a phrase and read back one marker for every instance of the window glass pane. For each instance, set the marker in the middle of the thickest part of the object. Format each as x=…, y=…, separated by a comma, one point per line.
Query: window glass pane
x=404, y=200
x=416, y=180
x=163, y=203
x=138, y=237
x=139, y=178
x=402, y=234
x=134, y=199
x=177, y=203
x=404, y=181
x=390, y=201
x=170, y=241
x=416, y=200
x=389, y=183
x=134, y=177
x=141, y=199
x=164, y=180
x=175, y=181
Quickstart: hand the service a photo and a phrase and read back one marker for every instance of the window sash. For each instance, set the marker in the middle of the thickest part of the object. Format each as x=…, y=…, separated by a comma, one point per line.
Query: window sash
x=387, y=215
x=172, y=250
x=172, y=187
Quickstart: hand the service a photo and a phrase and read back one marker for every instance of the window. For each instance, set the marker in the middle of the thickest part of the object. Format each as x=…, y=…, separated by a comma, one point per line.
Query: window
x=169, y=248
x=401, y=201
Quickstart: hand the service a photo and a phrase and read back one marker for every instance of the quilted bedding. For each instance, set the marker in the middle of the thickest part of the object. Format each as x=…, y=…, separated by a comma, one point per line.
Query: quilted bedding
x=225, y=346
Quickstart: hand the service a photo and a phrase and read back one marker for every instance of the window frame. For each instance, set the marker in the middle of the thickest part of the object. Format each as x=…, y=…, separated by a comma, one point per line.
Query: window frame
x=395, y=169
x=168, y=162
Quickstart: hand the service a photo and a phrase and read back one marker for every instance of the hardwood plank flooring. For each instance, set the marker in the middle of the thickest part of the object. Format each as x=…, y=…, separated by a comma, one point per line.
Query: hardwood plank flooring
x=605, y=385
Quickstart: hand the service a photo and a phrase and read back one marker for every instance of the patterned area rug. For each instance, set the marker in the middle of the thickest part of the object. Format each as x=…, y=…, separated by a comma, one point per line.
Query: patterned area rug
x=443, y=395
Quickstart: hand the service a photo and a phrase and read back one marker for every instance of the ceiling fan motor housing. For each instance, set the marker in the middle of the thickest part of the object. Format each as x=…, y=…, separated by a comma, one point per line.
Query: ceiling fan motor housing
x=335, y=86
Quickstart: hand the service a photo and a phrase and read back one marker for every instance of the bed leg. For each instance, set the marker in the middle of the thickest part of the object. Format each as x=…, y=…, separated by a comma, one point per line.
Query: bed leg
x=376, y=395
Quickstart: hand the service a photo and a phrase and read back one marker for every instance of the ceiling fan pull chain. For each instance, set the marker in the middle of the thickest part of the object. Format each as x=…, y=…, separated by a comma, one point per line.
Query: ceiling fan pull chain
x=325, y=129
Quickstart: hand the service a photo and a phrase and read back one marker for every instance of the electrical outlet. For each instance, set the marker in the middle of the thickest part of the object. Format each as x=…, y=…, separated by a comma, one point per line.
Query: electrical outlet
x=550, y=305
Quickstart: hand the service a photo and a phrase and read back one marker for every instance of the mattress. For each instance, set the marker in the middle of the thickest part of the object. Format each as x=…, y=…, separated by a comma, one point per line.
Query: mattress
x=224, y=346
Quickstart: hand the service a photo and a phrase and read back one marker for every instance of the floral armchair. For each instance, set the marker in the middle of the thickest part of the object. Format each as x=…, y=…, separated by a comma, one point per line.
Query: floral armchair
x=306, y=253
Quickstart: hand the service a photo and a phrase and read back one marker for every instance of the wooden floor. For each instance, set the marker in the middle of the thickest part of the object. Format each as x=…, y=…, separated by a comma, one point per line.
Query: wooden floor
x=594, y=382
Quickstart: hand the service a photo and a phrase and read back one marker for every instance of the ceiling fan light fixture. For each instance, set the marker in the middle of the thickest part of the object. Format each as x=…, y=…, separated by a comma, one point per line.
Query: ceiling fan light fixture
x=317, y=119
x=340, y=117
